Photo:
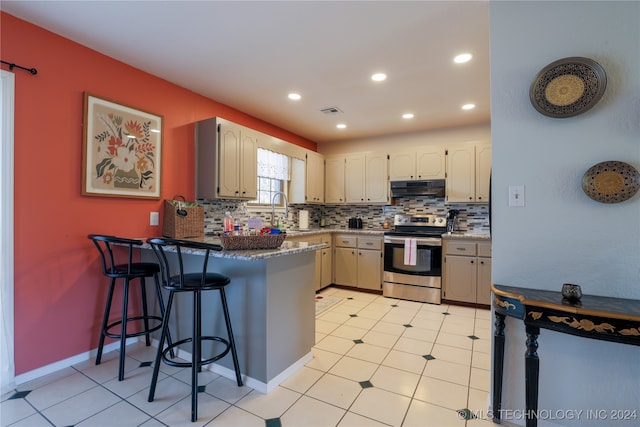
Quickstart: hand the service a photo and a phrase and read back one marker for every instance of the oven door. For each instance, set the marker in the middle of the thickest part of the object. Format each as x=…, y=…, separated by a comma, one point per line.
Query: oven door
x=428, y=268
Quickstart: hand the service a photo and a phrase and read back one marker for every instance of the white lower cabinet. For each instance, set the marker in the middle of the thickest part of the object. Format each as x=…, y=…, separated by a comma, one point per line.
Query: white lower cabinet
x=467, y=271
x=358, y=261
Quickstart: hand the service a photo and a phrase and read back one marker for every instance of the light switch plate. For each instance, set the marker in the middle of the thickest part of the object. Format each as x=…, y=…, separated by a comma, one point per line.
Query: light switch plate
x=154, y=218
x=516, y=195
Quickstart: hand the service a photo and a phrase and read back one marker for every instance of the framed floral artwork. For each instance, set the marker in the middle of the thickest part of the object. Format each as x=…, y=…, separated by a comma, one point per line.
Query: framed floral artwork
x=121, y=150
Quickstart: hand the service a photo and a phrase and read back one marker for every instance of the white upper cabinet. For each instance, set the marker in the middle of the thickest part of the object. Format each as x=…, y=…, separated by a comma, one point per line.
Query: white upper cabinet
x=354, y=179
x=426, y=163
x=314, y=178
x=468, y=173
x=366, y=178
x=376, y=178
x=226, y=160
x=307, y=179
x=334, y=168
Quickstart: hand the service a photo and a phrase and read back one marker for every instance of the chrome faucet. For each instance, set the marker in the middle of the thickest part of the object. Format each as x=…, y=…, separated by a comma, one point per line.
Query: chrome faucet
x=273, y=206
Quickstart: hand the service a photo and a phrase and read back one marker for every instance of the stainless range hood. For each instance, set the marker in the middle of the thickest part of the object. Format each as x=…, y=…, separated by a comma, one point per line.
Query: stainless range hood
x=432, y=188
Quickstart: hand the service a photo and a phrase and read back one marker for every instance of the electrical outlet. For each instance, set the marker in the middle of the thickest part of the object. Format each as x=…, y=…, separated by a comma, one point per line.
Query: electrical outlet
x=154, y=218
x=516, y=195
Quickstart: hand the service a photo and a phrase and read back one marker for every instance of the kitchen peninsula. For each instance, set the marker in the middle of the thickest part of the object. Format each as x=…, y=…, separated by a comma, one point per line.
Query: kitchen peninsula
x=271, y=304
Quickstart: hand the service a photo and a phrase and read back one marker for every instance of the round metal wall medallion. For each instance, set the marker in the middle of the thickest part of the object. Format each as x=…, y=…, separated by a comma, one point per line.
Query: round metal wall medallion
x=568, y=87
x=611, y=182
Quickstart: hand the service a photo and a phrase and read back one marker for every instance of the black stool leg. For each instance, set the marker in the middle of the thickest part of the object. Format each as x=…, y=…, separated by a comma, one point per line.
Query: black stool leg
x=232, y=342
x=161, y=303
x=105, y=321
x=163, y=335
x=123, y=331
x=195, y=354
x=145, y=312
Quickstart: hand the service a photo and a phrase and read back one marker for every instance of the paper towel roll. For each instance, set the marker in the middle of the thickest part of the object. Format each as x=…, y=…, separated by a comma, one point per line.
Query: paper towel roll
x=303, y=220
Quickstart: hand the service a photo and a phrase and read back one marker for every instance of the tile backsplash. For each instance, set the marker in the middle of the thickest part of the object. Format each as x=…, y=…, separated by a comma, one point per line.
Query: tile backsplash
x=472, y=217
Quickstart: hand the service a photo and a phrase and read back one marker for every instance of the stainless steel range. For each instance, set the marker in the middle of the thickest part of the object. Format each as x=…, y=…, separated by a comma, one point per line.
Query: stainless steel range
x=413, y=258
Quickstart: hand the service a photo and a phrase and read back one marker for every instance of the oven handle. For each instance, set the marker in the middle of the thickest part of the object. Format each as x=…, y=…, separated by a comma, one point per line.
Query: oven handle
x=420, y=241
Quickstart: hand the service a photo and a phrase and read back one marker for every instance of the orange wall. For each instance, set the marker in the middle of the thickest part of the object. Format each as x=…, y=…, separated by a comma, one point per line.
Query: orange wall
x=59, y=290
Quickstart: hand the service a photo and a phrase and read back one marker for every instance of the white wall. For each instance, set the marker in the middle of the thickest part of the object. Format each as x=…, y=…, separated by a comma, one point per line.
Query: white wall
x=561, y=235
x=409, y=140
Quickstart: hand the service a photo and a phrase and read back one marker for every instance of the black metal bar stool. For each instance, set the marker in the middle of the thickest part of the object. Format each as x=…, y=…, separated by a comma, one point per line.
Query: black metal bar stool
x=176, y=280
x=126, y=271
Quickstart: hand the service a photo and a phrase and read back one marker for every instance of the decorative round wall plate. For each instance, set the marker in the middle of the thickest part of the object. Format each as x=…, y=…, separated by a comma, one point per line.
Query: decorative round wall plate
x=568, y=87
x=611, y=182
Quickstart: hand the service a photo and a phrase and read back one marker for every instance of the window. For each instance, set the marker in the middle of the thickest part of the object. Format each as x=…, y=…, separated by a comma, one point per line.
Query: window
x=273, y=173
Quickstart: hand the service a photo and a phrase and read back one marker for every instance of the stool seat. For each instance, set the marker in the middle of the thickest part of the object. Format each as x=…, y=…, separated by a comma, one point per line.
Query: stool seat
x=194, y=281
x=126, y=271
x=176, y=280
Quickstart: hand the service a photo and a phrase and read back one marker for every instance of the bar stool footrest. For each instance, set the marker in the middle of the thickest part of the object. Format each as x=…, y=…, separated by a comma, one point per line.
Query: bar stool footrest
x=218, y=356
x=133, y=334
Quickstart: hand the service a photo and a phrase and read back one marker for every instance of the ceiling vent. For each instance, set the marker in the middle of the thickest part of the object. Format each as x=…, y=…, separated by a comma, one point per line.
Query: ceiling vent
x=330, y=110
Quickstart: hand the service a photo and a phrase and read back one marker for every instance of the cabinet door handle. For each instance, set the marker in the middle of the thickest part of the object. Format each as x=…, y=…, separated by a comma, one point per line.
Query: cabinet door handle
x=461, y=249
x=472, y=262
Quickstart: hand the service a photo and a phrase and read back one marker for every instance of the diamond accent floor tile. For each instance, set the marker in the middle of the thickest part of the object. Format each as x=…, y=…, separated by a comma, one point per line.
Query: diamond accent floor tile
x=273, y=422
x=20, y=394
x=365, y=384
x=428, y=357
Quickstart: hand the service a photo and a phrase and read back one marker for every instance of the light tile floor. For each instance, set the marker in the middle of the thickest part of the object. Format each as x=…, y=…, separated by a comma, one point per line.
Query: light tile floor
x=377, y=362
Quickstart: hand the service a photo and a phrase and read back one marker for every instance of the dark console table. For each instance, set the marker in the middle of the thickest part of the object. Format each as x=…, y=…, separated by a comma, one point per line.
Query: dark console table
x=601, y=318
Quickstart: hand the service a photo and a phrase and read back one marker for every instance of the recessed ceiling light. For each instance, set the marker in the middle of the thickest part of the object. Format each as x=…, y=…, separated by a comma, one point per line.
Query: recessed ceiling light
x=468, y=106
x=341, y=126
x=378, y=77
x=294, y=96
x=407, y=116
x=462, y=58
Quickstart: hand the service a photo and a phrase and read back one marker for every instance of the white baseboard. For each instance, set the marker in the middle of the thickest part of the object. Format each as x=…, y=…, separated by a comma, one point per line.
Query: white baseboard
x=255, y=384
x=70, y=361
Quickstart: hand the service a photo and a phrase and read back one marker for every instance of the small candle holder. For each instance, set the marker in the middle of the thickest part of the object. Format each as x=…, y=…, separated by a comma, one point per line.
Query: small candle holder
x=571, y=292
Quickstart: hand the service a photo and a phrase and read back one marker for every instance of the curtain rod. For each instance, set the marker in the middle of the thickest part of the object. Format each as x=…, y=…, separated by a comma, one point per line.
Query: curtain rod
x=12, y=66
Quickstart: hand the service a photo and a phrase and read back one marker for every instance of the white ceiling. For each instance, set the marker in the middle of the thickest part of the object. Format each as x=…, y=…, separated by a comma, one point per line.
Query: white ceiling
x=251, y=54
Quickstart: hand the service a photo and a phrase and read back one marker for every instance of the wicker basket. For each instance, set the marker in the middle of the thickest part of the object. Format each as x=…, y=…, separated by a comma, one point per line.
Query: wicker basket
x=268, y=241
x=183, y=219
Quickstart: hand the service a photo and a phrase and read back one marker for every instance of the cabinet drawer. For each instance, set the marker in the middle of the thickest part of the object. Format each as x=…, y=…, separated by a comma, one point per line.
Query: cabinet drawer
x=326, y=238
x=484, y=249
x=346, y=241
x=370, y=243
x=461, y=248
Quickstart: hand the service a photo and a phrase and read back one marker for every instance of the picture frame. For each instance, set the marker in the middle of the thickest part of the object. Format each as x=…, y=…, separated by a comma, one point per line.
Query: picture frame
x=121, y=150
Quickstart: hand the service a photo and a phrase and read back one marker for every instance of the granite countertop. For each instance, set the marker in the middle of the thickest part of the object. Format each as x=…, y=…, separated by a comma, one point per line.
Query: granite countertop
x=466, y=235
x=287, y=248
x=312, y=231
